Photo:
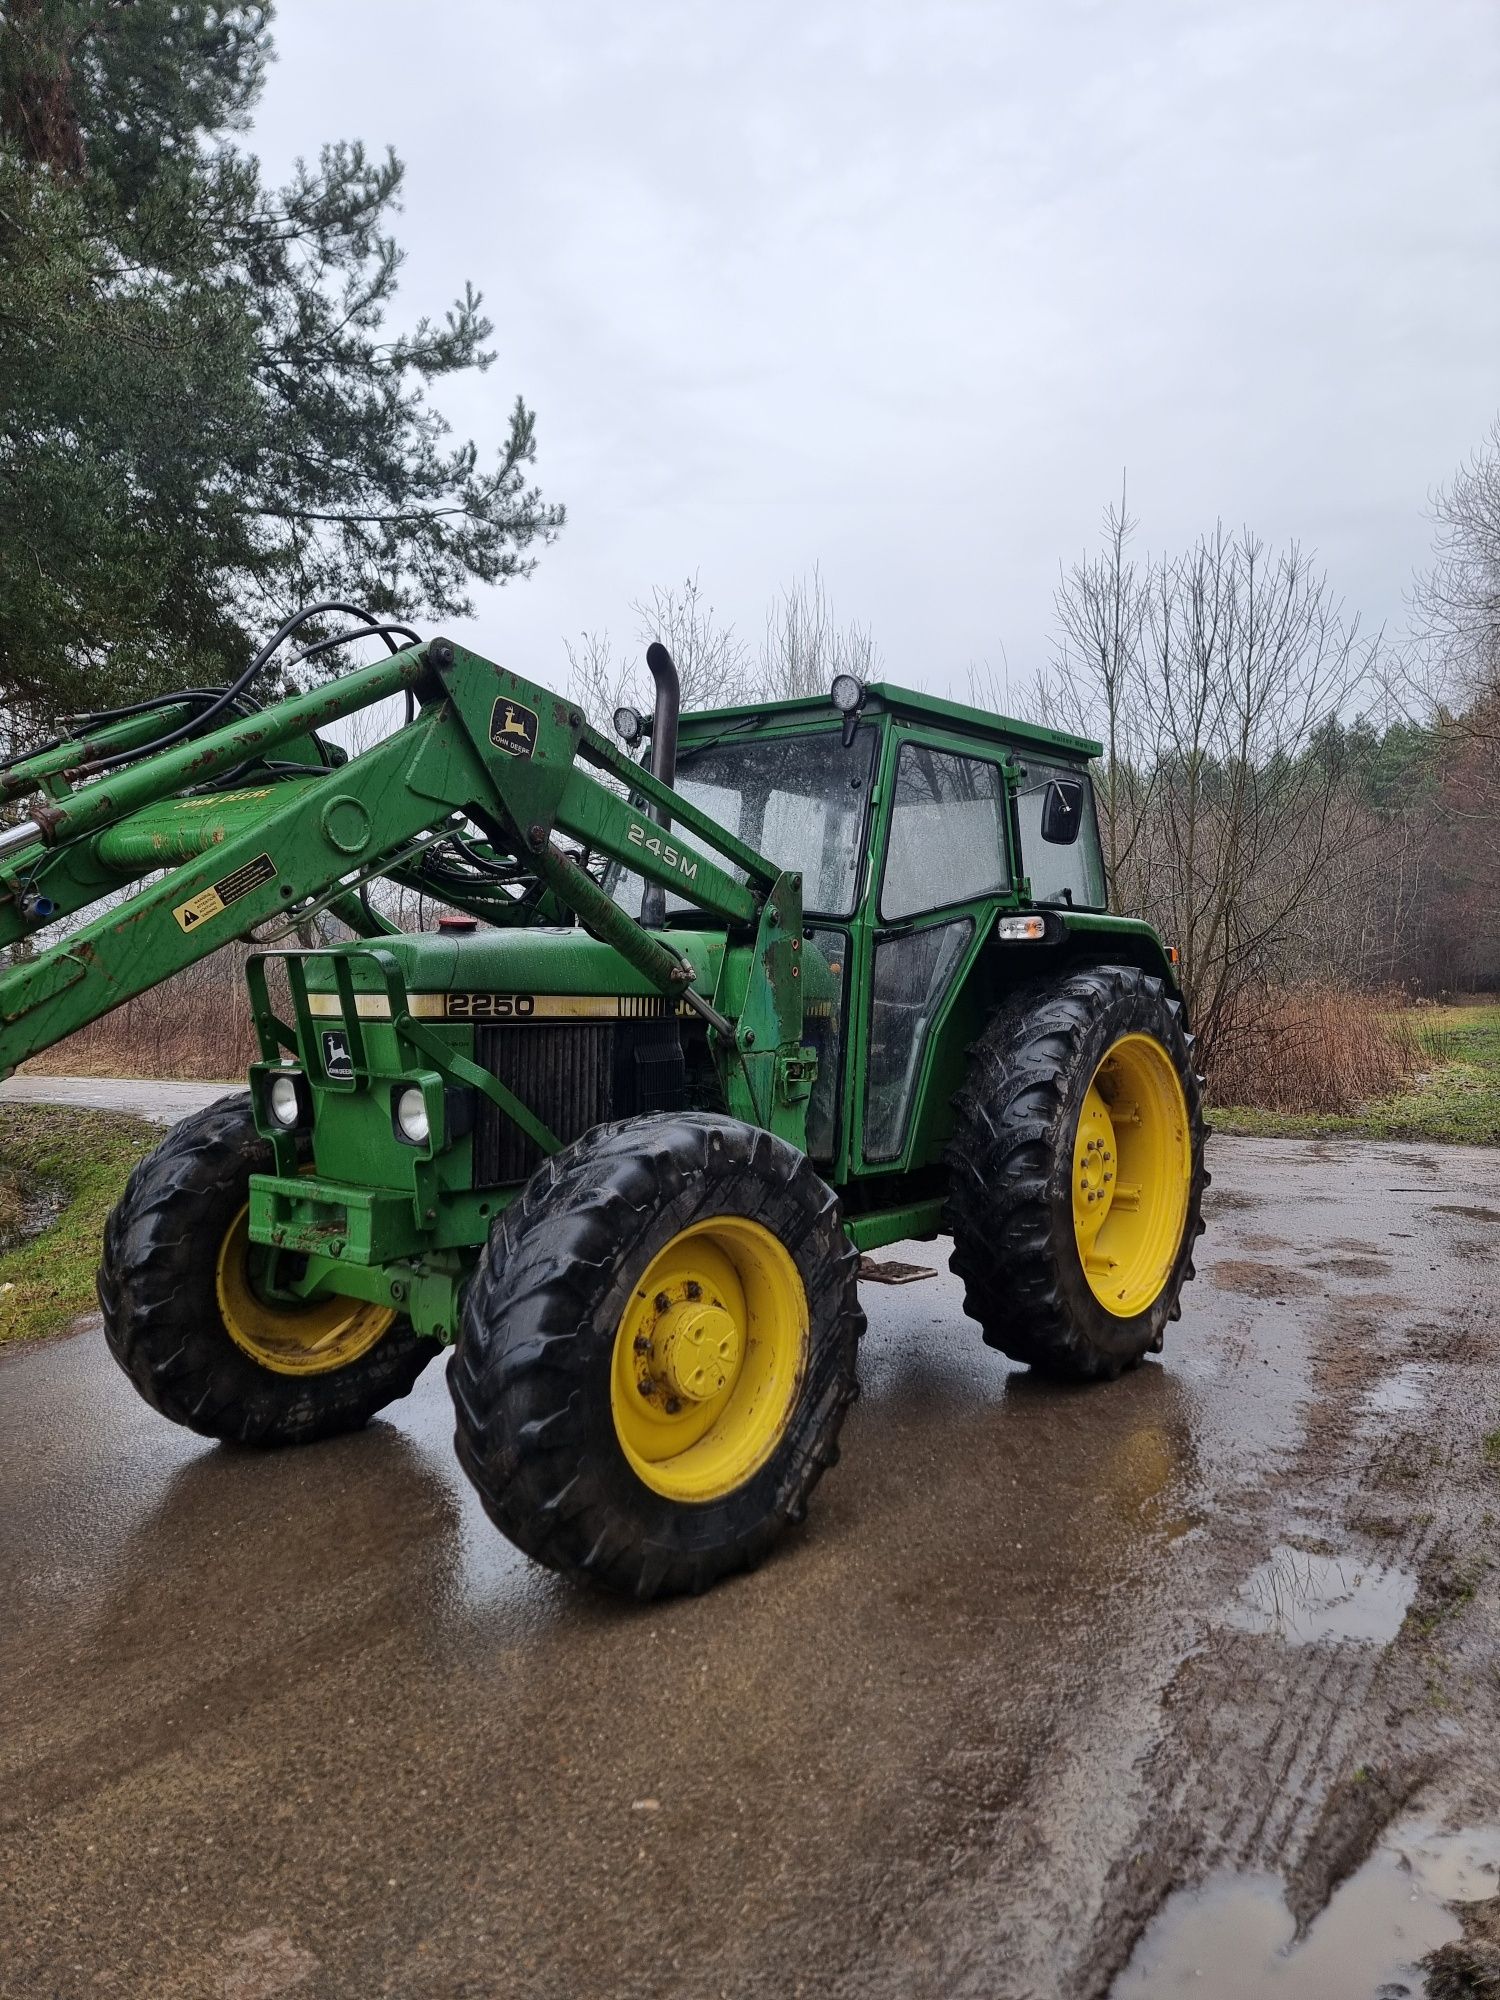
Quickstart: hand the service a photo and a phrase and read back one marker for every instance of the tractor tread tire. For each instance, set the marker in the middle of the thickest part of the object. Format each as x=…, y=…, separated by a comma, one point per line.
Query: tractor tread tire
x=162, y=1320
x=1009, y=1204
x=530, y=1375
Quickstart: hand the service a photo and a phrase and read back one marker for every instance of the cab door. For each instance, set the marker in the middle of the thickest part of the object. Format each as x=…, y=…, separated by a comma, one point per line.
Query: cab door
x=947, y=858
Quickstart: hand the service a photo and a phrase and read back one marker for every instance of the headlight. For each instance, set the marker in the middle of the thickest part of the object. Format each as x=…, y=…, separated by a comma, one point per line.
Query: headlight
x=847, y=693
x=411, y=1116
x=284, y=1100
x=628, y=725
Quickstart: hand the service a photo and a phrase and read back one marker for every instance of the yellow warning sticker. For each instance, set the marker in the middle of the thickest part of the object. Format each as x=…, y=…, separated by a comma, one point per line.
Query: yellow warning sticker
x=228, y=889
x=198, y=909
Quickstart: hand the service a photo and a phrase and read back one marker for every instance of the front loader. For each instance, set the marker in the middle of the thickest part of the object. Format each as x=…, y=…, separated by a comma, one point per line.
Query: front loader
x=701, y=1024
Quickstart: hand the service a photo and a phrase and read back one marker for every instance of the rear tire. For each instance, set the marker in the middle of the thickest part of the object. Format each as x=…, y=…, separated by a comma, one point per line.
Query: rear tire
x=623, y=1250
x=1029, y=1123
x=163, y=1281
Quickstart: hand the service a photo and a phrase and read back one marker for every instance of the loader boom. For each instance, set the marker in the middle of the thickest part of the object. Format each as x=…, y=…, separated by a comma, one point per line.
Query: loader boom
x=485, y=748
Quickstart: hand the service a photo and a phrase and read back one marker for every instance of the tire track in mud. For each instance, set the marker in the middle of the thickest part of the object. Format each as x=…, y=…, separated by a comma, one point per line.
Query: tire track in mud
x=1325, y=1696
x=1293, y=1759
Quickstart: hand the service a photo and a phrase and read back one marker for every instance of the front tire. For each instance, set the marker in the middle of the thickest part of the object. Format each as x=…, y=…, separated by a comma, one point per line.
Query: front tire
x=657, y=1352
x=1076, y=1172
x=186, y=1320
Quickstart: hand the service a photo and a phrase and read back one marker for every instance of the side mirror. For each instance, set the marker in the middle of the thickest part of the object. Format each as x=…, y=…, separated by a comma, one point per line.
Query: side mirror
x=1062, y=811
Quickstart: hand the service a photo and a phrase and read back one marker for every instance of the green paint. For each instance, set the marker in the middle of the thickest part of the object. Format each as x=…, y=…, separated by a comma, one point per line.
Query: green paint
x=915, y=1219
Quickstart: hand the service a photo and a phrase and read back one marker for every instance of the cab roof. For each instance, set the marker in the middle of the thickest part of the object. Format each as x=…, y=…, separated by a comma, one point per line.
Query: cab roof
x=908, y=704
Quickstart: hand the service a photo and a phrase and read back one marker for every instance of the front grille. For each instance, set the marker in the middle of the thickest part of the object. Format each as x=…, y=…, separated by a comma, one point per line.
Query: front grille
x=574, y=1076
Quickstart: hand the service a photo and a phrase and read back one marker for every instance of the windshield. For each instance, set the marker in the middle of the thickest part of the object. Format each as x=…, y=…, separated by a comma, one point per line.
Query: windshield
x=799, y=800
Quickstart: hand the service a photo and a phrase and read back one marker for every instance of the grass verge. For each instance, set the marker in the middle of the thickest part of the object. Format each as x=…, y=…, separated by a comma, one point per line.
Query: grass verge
x=1454, y=1098
x=65, y=1168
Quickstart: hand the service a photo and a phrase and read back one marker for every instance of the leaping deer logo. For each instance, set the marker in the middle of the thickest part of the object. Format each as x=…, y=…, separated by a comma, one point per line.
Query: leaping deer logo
x=338, y=1059
x=513, y=727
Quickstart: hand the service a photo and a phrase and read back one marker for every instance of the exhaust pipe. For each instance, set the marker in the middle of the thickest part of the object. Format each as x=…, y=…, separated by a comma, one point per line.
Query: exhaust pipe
x=664, y=720
x=663, y=760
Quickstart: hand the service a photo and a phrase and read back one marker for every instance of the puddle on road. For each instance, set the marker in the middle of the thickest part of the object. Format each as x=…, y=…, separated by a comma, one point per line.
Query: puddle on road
x=1302, y=1597
x=1234, y=1938
x=1405, y=1390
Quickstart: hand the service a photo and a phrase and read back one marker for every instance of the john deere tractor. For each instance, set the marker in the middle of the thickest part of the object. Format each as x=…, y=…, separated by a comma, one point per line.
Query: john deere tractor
x=705, y=1016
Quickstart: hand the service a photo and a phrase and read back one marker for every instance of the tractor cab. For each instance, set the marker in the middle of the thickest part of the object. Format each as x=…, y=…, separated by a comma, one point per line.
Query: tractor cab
x=920, y=830
x=944, y=800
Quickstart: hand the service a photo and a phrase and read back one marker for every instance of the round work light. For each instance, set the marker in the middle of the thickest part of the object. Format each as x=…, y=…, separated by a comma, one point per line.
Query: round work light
x=411, y=1117
x=284, y=1100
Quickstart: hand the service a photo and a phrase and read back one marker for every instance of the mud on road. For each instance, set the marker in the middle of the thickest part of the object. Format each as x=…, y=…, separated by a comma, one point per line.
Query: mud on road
x=1059, y=1692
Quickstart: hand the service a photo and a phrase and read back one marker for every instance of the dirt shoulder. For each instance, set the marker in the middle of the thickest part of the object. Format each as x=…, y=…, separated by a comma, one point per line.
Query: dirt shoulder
x=61, y=1171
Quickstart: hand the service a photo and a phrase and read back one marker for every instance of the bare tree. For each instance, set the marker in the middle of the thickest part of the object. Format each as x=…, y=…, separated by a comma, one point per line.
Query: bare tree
x=1454, y=672
x=1216, y=681
x=990, y=687
x=805, y=647
x=597, y=681
x=1456, y=602
x=1099, y=674
x=713, y=664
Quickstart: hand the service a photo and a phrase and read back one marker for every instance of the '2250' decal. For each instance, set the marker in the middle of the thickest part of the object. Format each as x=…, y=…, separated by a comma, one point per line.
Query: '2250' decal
x=674, y=857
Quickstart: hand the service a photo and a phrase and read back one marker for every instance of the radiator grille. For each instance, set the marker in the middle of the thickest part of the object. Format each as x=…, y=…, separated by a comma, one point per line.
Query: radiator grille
x=574, y=1075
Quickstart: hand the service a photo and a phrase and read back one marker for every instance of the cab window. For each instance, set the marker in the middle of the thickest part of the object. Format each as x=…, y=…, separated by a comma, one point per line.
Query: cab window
x=947, y=838
x=800, y=801
x=1072, y=874
x=913, y=971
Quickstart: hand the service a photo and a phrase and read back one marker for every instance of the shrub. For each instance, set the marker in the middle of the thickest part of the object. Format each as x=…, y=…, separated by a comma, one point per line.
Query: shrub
x=196, y=1025
x=1313, y=1048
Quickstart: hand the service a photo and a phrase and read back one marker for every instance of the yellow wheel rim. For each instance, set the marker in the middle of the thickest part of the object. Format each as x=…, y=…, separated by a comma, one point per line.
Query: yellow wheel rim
x=708, y=1358
x=1132, y=1165
x=311, y=1339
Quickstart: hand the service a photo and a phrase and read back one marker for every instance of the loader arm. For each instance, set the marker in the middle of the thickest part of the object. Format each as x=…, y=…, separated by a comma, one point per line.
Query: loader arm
x=485, y=747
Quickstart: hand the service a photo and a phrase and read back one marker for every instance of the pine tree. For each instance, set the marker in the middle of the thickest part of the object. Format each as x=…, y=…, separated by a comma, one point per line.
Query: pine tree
x=204, y=420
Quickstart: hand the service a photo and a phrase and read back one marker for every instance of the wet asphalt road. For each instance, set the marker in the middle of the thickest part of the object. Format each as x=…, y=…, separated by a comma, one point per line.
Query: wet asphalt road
x=160, y=1103
x=304, y=1724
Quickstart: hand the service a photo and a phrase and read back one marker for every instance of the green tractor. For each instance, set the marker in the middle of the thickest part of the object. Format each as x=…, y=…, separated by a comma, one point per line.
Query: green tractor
x=703, y=1021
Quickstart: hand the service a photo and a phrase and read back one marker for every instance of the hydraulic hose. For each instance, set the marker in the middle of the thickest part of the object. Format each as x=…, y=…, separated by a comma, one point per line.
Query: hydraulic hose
x=369, y=627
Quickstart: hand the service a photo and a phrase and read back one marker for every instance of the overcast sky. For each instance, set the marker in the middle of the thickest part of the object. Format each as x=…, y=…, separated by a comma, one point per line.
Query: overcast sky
x=901, y=288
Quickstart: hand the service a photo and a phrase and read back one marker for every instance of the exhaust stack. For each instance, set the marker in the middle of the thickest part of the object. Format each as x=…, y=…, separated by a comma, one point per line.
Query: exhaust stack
x=663, y=759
